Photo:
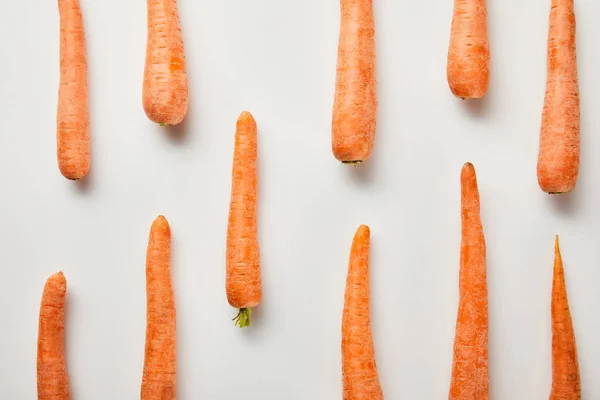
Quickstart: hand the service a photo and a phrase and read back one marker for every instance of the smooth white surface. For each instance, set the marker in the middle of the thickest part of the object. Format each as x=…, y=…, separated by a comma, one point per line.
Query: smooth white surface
x=277, y=59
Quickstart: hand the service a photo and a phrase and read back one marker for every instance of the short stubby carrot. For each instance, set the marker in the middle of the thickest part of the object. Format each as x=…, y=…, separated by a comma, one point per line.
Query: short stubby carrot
x=355, y=101
x=72, y=120
x=165, y=92
x=468, y=69
x=359, y=369
x=470, y=363
x=243, y=279
x=159, y=380
x=52, y=377
x=566, y=384
x=558, y=158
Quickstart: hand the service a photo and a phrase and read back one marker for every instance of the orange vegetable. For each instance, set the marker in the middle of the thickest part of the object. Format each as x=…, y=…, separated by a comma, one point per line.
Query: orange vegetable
x=558, y=158
x=165, y=93
x=469, y=53
x=359, y=368
x=159, y=381
x=52, y=377
x=355, y=101
x=73, y=126
x=470, y=363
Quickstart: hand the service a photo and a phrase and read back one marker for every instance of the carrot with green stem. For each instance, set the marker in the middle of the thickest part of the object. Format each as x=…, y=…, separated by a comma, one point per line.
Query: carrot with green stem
x=243, y=280
x=73, y=125
x=359, y=369
x=470, y=362
x=52, y=376
x=355, y=101
x=566, y=384
x=165, y=92
x=159, y=380
x=468, y=69
x=558, y=157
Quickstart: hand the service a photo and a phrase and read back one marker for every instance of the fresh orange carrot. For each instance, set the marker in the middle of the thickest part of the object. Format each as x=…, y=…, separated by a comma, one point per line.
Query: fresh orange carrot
x=52, y=377
x=355, y=101
x=159, y=381
x=165, y=93
x=566, y=383
x=468, y=69
x=558, y=158
x=243, y=281
x=470, y=363
x=359, y=369
x=73, y=125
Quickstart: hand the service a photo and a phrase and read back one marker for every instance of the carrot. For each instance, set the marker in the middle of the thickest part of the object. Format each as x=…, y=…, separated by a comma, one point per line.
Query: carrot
x=73, y=125
x=243, y=280
x=52, y=377
x=355, y=101
x=558, y=158
x=165, y=93
x=159, y=381
x=470, y=363
x=359, y=369
x=468, y=69
x=566, y=384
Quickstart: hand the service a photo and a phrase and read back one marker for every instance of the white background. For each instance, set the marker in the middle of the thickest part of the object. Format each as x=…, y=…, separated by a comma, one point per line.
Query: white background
x=277, y=59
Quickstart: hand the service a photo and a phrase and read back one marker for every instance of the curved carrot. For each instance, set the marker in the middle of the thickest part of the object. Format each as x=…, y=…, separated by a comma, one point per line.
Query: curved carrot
x=52, y=377
x=355, y=101
x=359, y=369
x=243, y=281
x=468, y=68
x=470, y=363
x=566, y=384
x=159, y=381
x=558, y=158
x=73, y=126
x=165, y=93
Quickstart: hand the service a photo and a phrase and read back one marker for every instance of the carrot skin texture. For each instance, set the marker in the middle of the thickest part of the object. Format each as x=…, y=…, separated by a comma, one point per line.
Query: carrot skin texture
x=468, y=69
x=359, y=369
x=355, y=100
x=470, y=363
x=73, y=126
x=559, y=152
x=159, y=381
x=165, y=91
x=566, y=383
x=52, y=376
x=243, y=277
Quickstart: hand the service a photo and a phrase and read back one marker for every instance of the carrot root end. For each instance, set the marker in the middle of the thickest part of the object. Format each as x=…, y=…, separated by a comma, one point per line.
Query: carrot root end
x=163, y=124
x=355, y=162
x=242, y=319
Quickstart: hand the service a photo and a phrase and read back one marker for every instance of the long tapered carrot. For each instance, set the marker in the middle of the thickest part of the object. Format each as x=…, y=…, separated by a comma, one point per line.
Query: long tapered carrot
x=558, y=158
x=52, y=377
x=355, y=101
x=359, y=369
x=72, y=120
x=159, y=381
x=566, y=384
x=165, y=93
x=470, y=363
x=243, y=280
x=468, y=69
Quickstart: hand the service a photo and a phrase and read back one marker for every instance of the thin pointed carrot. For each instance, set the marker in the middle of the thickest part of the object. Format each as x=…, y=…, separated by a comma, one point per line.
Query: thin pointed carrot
x=165, y=93
x=355, y=101
x=243, y=280
x=159, y=381
x=52, y=376
x=359, y=369
x=566, y=384
x=73, y=125
x=468, y=69
x=470, y=363
x=558, y=158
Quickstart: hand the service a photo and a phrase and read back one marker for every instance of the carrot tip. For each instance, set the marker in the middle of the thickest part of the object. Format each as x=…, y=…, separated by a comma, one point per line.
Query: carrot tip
x=243, y=318
x=355, y=162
